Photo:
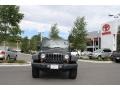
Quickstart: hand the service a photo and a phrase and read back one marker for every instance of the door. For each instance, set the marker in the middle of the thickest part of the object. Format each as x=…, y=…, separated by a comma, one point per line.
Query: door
x=106, y=53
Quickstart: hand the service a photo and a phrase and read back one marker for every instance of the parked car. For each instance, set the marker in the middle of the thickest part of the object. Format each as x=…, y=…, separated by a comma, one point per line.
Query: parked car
x=75, y=52
x=86, y=53
x=101, y=53
x=7, y=53
x=115, y=56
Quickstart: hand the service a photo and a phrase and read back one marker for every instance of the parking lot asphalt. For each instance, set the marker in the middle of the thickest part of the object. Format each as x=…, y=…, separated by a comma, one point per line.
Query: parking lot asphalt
x=88, y=74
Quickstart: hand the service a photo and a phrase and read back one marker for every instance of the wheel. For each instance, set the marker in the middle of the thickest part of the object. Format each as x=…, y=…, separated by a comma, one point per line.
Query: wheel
x=35, y=72
x=15, y=58
x=116, y=61
x=99, y=57
x=8, y=58
x=90, y=57
x=73, y=73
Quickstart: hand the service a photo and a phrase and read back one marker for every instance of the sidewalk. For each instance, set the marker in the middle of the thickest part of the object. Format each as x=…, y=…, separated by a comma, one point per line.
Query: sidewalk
x=93, y=61
x=29, y=63
x=15, y=64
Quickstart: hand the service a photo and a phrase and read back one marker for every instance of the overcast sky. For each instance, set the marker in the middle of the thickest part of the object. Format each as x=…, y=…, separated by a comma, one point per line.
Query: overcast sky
x=40, y=18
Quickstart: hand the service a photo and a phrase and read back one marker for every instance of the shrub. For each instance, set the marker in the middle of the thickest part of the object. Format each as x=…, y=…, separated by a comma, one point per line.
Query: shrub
x=21, y=61
x=11, y=61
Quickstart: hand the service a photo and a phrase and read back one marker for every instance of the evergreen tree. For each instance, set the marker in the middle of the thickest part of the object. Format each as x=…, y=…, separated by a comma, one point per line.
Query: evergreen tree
x=54, y=34
x=78, y=34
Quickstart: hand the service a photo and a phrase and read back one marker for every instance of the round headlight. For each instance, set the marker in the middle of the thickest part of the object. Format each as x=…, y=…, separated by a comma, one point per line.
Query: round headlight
x=66, y=56
x=42, y=55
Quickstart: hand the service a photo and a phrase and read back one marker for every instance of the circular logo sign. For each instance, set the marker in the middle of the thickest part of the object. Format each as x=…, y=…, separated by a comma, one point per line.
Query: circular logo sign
x=106, y=27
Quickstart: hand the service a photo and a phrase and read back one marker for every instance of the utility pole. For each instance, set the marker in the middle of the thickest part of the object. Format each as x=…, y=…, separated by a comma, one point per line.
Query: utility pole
x=93, y=44
x=29, y=46
x=5, y=49
x=40, y=37
x=99, y=39
x=17, y=44
x=116, y=16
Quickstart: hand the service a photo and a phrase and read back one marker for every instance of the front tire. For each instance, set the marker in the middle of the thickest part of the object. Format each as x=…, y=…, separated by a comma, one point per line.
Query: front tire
x=35, y=72
x=73, y=73
x=99, y=58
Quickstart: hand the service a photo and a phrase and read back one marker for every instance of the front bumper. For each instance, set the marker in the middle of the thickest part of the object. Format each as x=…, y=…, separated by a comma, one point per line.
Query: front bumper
x=60, y=66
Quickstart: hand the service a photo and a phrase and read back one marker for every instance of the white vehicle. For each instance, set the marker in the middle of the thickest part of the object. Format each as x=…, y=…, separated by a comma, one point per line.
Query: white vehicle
x=86, y=53
x=7, y=53
x=75, y=53
x=101, y=53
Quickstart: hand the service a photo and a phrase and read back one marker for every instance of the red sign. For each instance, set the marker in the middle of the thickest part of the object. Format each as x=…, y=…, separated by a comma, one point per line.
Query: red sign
x=106, y=29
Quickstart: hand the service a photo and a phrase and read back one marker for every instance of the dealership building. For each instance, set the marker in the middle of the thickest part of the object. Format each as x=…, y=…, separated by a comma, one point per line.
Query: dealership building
x=105, y=38
x=93, y=41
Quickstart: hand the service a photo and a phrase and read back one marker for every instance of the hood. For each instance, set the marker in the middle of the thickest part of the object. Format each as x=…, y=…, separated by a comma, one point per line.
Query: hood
x=60, y=51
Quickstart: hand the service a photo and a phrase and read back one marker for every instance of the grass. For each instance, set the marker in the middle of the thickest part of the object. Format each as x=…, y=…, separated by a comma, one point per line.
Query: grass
x=21, y=61
x=13, y=61
x=96, y=59
x=102, y=59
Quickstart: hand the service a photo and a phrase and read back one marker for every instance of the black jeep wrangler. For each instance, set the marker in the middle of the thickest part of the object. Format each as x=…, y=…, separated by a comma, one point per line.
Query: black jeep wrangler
x=54, y=55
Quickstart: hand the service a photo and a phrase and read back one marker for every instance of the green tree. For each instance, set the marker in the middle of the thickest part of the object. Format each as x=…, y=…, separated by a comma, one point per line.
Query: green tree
x=25, y=45
x=10, y=17
x=34, y=42
x=54, y=33
x=78, y=34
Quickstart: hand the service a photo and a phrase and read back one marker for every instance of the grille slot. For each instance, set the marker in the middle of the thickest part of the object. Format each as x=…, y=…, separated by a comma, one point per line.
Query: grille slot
x=54, y=58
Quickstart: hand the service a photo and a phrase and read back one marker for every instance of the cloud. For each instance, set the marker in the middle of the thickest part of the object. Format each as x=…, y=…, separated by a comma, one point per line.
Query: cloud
x=40, y=27
x=31, y=28
x=30, y=25
x=40, y=18
x=46, y=15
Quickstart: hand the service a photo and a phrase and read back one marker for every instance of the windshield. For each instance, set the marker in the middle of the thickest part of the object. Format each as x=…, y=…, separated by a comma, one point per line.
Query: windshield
x=107, y=50
x=97, y=51
x=55, y=44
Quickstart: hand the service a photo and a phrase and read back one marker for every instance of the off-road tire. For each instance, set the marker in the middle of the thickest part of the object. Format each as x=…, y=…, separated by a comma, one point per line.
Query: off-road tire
x=35, y=72
x=73, y=73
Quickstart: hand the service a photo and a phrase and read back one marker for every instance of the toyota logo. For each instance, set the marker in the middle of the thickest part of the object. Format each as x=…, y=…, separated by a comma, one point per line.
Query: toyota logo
x=106, y=27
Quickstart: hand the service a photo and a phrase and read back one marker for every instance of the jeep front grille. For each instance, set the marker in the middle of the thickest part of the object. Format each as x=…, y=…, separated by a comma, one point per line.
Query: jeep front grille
x=54, y=58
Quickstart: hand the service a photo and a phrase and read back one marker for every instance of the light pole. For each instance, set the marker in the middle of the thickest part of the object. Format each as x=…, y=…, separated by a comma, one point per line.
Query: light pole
x=116, y=16
x=18, y=44
x=41, y=37
x=93, y=44
x=40, y=33
x=98, y=39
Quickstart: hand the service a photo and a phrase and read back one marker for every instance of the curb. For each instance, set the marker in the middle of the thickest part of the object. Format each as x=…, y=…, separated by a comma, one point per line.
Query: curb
x=29, y=64
x=14, y=64
x=95, y=61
